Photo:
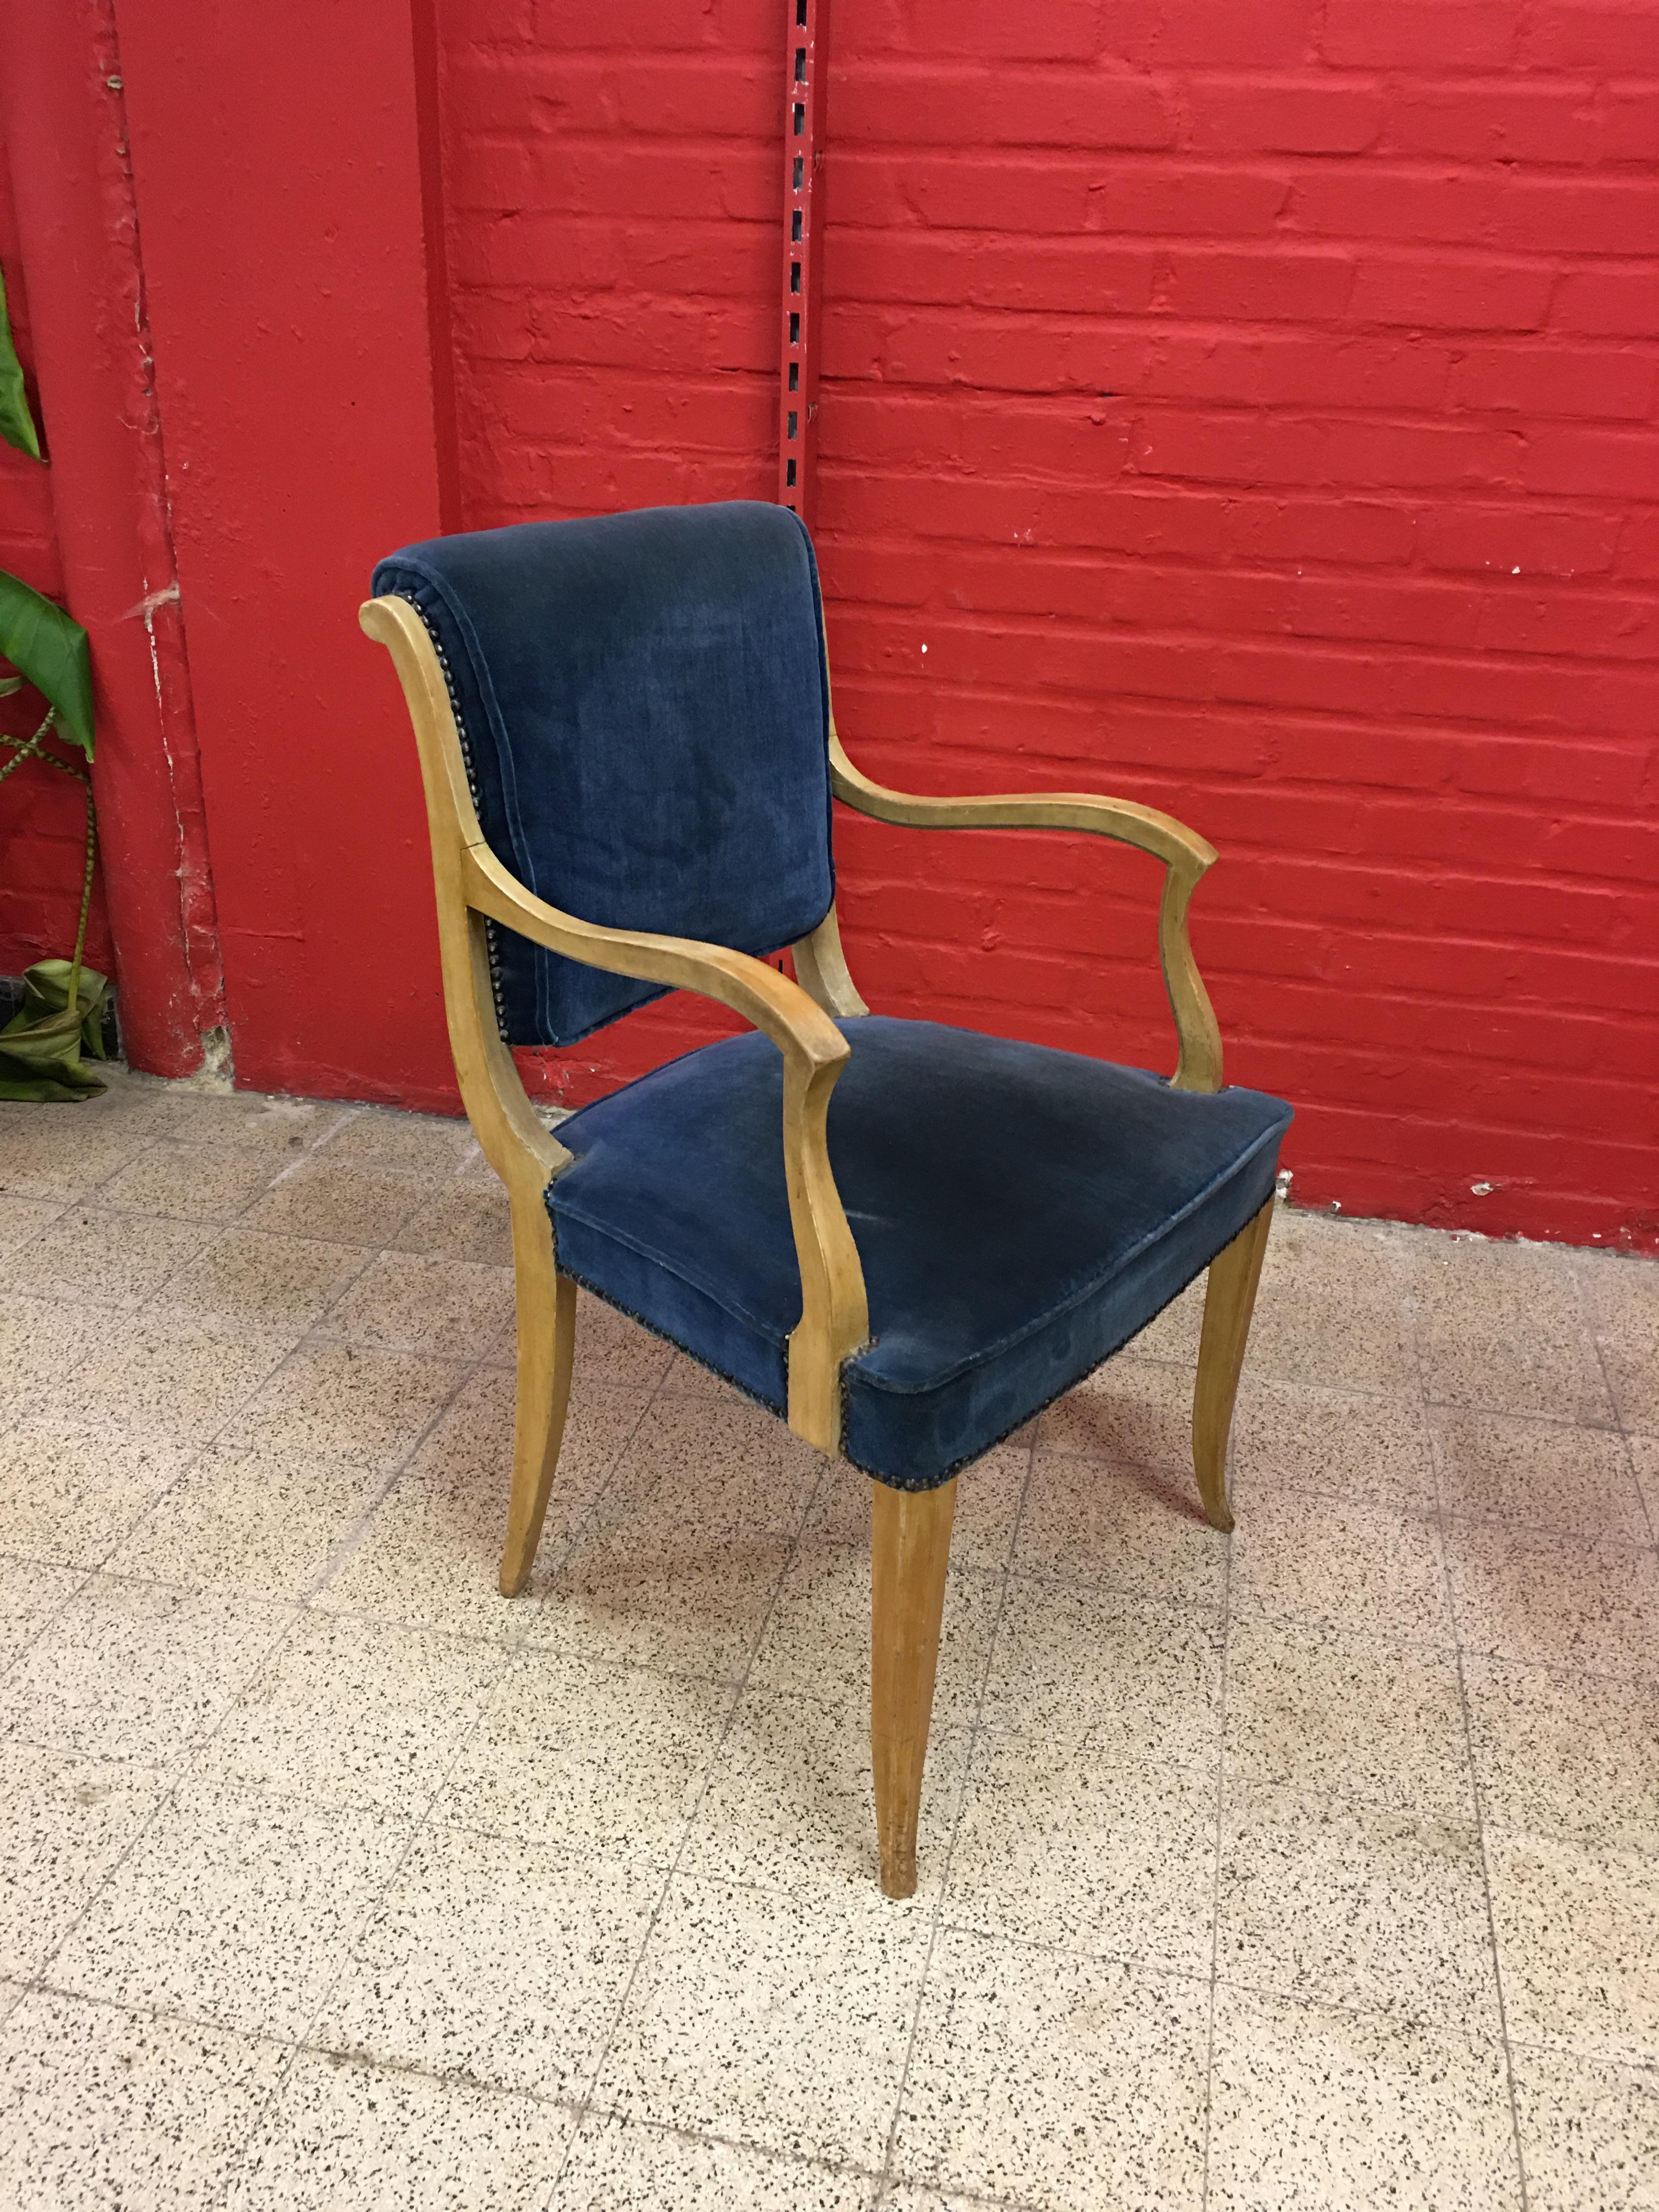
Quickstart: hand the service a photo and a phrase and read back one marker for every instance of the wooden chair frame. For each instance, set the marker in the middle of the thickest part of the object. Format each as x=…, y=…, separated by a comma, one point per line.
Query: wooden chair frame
x=910, y=1530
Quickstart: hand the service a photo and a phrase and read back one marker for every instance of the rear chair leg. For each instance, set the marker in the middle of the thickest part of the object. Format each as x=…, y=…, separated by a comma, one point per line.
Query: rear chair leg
x=547, y=1330
x=910, y=1549
x=1228, y=1303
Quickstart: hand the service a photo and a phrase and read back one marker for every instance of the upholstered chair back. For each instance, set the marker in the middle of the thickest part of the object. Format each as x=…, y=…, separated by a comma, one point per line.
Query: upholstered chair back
x=643, y=707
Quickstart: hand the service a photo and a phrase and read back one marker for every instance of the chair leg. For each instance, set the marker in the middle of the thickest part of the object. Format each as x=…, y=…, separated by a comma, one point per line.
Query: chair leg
x=547, y=1330
x=1229, y=1302
x=910, y=1549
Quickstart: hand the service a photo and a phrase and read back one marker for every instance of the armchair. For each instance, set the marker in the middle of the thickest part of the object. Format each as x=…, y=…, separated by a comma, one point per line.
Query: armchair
x=629, y=756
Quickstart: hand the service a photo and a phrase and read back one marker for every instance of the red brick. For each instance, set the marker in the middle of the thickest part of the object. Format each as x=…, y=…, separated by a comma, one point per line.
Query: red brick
x=1318, y=116
x=1559, y=34
x=1608, y=302
x=1598, y=462
x=1060, y=30
x=1419, y=34
x=1537, y=541
x=934, y=104
x=1511, y=122
x=1276, y=284
x=1561, y=381
x=1214, y=33
x=1440, y=292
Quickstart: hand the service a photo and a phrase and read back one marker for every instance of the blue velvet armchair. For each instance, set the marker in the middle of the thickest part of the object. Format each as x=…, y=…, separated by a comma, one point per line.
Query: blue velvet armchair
x=905, y=1238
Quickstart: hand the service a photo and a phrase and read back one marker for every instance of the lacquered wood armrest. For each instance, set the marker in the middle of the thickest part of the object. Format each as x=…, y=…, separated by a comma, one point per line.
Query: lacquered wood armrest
x=1185, y=854
x=834, y=1315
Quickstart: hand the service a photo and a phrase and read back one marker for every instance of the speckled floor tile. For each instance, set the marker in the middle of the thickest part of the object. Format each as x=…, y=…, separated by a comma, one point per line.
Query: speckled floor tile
x=1136, y=1530
x=283, y=1129
x=176, y=1379
x=1538, y=1474
x=463, y=1220
x=1290, y=1436
x=418, y=1302
x=72, y=1489
x=1335, y=1311
x=1502, y=1327
x=429, y=1146
x=336, y=1200
x=496, y=1959
x=592, y=1758
x=650, y=1592
x=340, y=1402
x=22, y=1219
x=137, y=1670
x=246, y=1519
x=1644, y=1457
x=730, y=1466
x=1093, y=1853
x=47, y=1345
x=1071, y=2083
x=31, y=1592
x=1548, y=1600
x=817, y=1640
x=1577, y=1931
x=63, y=1823
x=989, y=1494
x=1084, y=1666
x=41, y=1160
x=790, y=1806
x=342, y=2137
x=118, y=2111
x=190, y=1182
x=1328, y=1563
x=1314, y=2109
x=1366, y=1721
x=355, y=1713
x=92, y=1252
x=1563, y=1754
x=1173, y=1335
x=1590, y=2132
x=280, y=1287
x=1132, y=1410
x=1621, y=1298
x=781, y=2022
x=233, y=1907
x=1378, y=1911
x=617, y=2165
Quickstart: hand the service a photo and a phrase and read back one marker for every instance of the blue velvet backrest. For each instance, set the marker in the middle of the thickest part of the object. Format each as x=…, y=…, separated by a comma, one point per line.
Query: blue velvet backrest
x=644, y=710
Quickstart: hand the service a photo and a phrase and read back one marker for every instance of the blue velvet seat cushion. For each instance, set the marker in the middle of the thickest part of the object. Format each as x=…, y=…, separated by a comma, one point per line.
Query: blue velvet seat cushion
x=1020, y=1213
x=645, y=714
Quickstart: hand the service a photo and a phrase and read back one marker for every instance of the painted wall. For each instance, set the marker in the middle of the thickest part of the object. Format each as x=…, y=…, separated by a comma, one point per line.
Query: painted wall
x=1245, y=408
x=42, y=814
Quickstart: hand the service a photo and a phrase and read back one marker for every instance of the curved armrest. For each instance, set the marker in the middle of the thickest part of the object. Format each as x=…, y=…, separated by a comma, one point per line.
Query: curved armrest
x=835, y=1319
x=1185, y=854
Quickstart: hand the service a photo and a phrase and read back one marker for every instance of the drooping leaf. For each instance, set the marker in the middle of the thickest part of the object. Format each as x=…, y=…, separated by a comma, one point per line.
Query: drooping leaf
x=16, y=423
x=48, y=646
x=41, y=1045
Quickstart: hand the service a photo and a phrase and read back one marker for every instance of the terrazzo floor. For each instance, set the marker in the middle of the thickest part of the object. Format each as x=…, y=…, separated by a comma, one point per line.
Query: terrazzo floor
x=1316, y=1867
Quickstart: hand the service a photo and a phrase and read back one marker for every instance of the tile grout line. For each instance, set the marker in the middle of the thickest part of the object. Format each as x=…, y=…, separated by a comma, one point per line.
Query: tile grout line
x=688, y=1825
x=1449, y=1588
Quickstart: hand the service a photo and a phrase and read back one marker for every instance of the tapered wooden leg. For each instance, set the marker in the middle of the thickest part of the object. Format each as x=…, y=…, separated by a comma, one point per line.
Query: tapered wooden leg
x=547, y=1330
x=911, y=1547
x=1229, y=1302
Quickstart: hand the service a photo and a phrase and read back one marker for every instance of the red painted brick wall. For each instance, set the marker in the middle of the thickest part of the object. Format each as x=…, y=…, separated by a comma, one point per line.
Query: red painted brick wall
x=1243, y=406
x=42, y=814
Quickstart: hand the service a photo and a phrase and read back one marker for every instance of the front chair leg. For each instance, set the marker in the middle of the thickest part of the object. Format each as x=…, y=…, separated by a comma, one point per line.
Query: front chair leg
x=910, y=1548
x=1229, y=1302
x=547, y=1330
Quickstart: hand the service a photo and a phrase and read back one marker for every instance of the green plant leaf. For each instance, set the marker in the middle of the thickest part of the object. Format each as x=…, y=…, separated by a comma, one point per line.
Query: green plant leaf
x=16, y=423
x=44, y=644
x=41, y=1047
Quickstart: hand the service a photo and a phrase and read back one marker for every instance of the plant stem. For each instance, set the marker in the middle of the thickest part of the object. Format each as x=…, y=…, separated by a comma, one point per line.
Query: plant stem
x=86, y=899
